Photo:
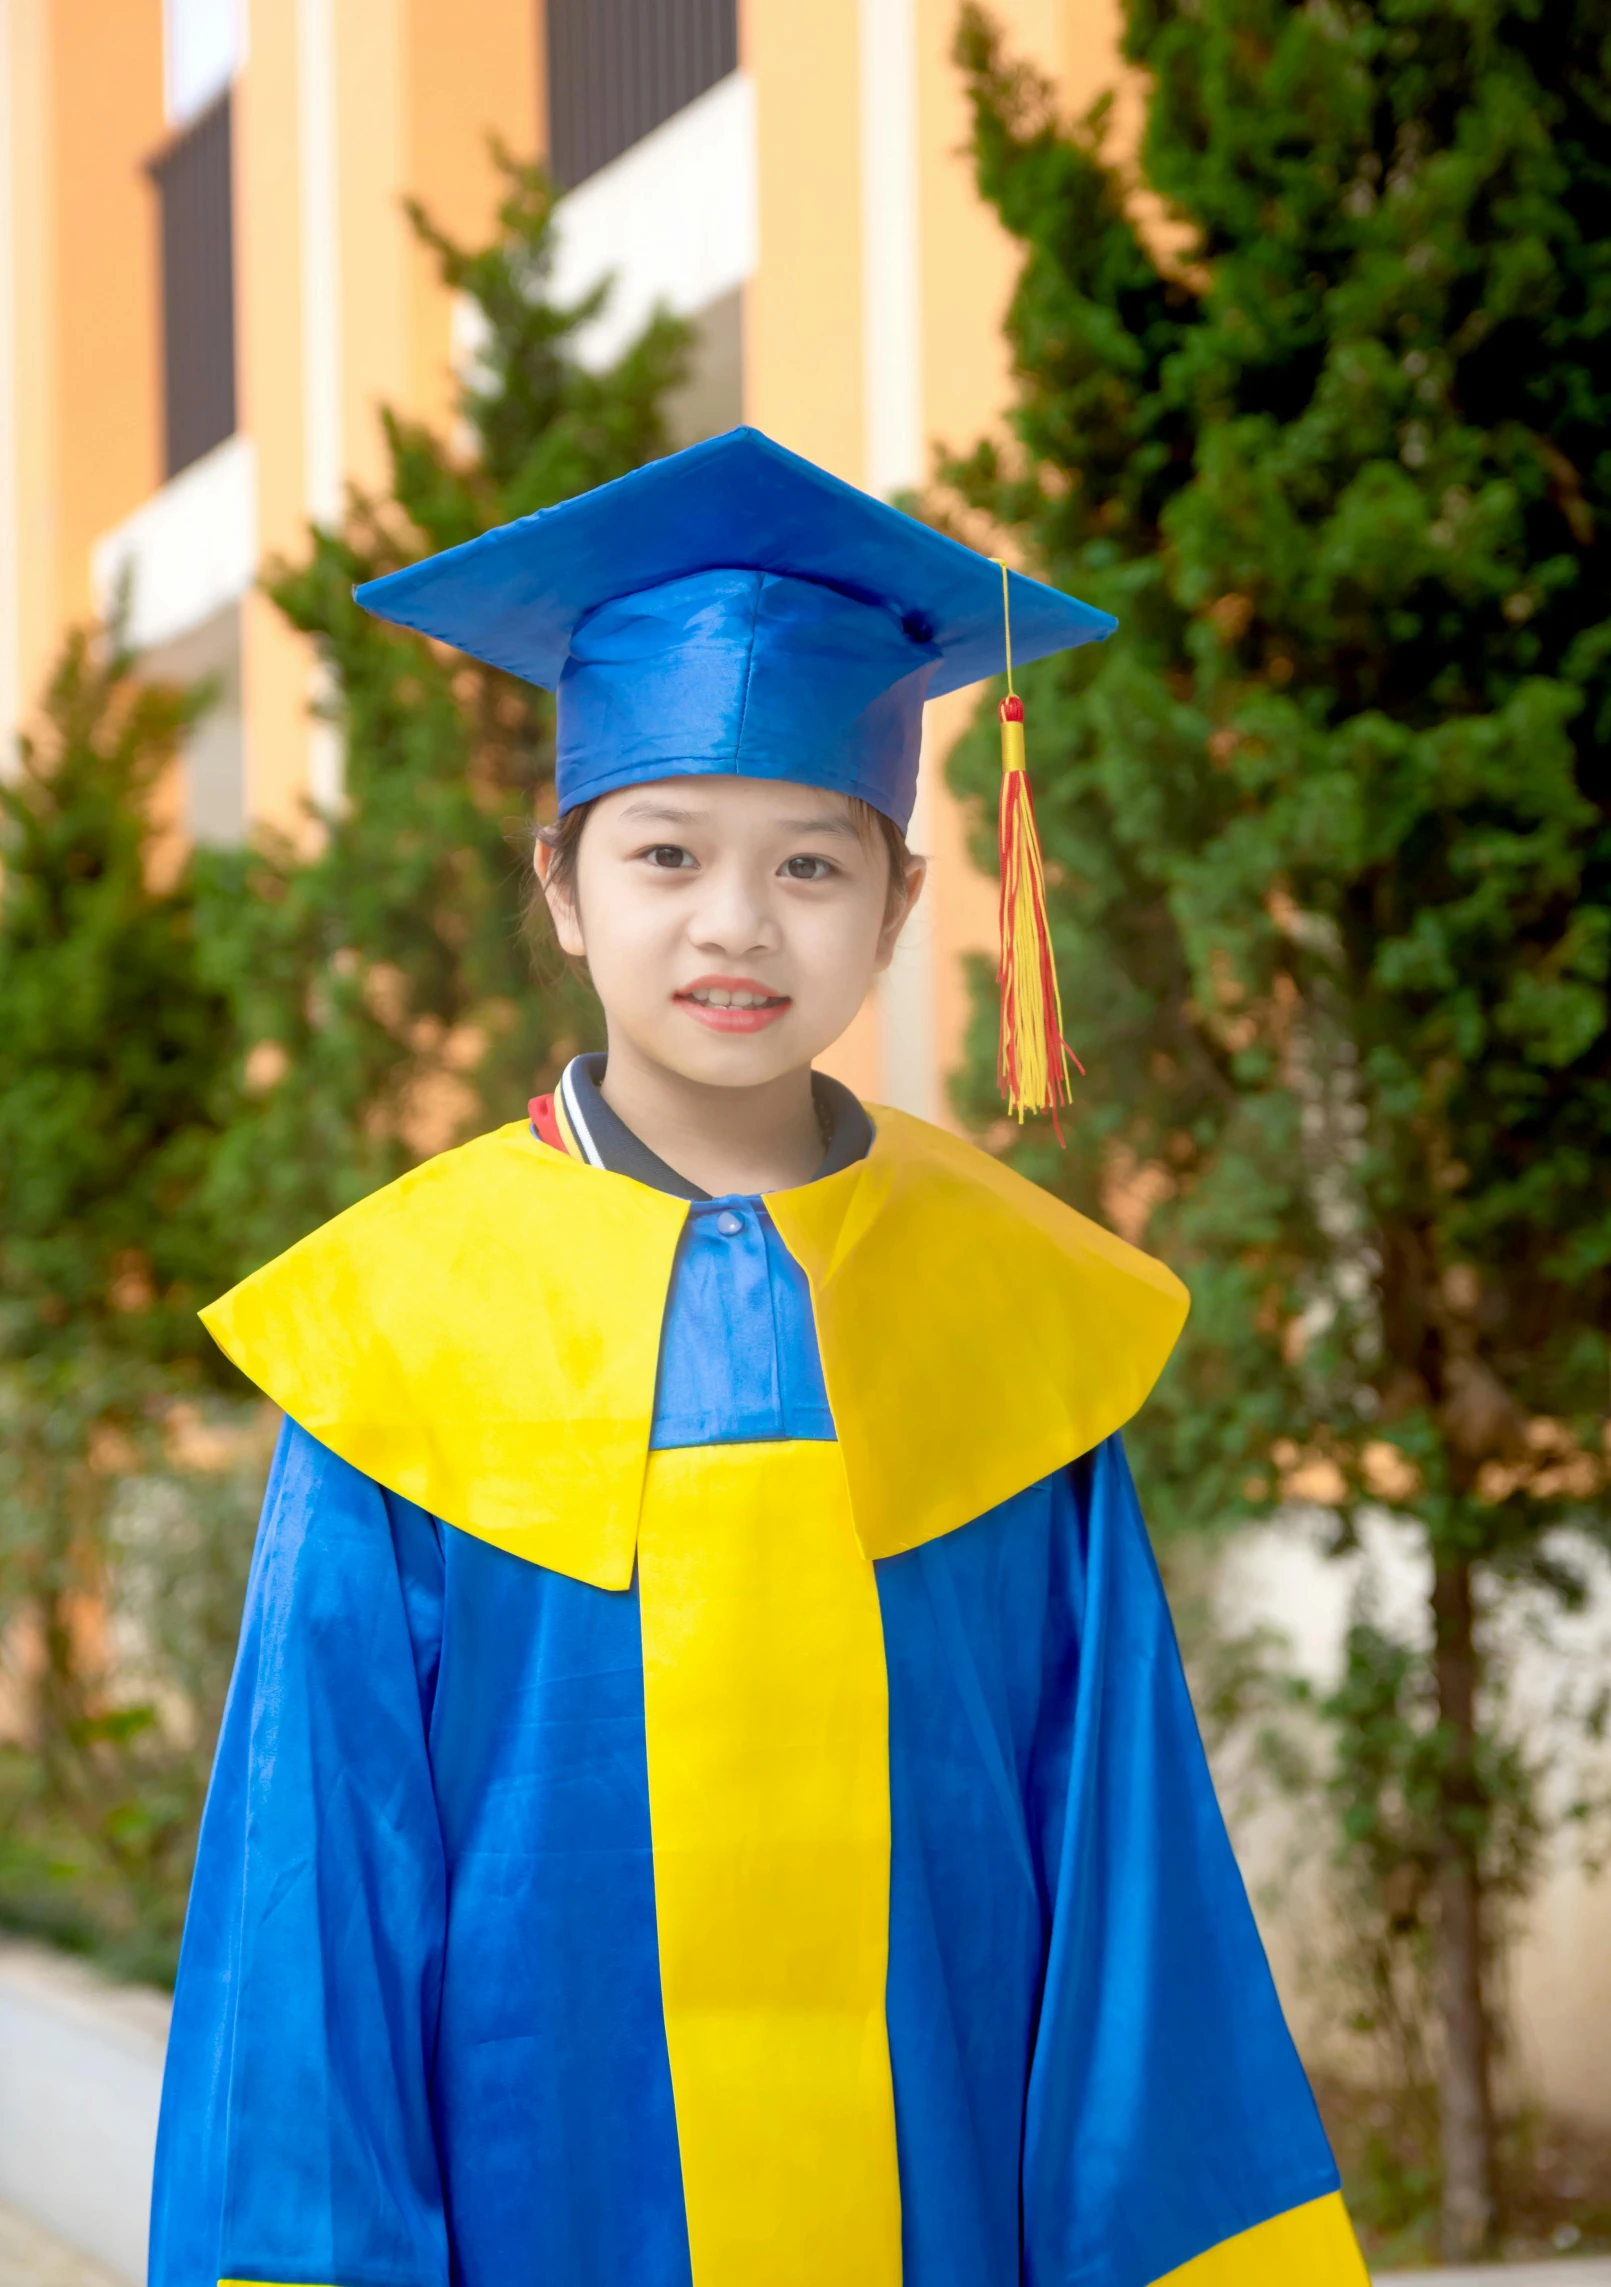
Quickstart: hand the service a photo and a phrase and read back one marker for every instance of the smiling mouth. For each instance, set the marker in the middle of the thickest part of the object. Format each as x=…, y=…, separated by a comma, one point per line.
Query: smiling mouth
x=715, y=999
x=732, y=1004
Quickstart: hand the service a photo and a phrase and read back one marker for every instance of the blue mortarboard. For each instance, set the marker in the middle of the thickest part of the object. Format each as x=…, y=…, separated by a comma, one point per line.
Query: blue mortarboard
x=732, y=608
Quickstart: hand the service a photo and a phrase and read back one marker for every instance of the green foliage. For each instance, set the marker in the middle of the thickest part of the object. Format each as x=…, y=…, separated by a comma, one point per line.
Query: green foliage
x=113, y=1088
x=382, y=979
x=1328, y=822
x=112, y=1054
x=1330, y=818
x=120, y=1606
x=1387, y=1789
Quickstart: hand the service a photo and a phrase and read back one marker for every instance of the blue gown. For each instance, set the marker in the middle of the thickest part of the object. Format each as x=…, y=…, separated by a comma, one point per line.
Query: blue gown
x=418, y=2034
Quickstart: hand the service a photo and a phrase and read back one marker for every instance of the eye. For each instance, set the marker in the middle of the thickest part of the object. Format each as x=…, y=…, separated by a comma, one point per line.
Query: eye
x=670, y=857
x=806, y=868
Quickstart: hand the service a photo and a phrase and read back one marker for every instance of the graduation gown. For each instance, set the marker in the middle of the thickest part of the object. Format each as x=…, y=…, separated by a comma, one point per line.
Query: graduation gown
x=708, y=1796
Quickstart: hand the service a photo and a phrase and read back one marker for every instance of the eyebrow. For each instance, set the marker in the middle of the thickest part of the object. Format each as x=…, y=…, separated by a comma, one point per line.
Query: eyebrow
x=830, y=822
x=662, y=810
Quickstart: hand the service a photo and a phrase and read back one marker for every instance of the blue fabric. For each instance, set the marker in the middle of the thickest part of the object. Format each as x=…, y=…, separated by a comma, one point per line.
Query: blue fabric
x=732, y=608
x=749, y=674
x=419, y=1978
x=297, y=2139
x=1093, y=2079
x=419, y=2006
x=760, y=1376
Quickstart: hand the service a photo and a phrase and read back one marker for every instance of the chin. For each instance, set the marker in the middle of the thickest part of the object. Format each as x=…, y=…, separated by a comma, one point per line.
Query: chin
x=732, y=1061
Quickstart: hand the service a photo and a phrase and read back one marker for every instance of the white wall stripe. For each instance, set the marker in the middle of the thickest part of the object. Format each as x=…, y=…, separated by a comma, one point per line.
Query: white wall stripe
x=892, y=380
x=318, y=163
x=319, y=186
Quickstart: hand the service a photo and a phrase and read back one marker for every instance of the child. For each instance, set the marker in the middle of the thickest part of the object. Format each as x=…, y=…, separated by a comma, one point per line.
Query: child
x=708, y=1793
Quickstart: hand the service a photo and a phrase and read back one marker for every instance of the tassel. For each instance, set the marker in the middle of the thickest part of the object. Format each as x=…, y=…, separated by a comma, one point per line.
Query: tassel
x=1034, y=1060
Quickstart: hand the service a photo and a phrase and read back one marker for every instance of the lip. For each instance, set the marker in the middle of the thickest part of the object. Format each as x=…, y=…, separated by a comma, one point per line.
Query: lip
x=731, y=1019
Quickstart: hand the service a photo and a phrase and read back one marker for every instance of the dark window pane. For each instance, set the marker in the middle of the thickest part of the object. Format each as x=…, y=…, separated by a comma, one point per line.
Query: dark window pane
x=616, y=68
x=198, y=289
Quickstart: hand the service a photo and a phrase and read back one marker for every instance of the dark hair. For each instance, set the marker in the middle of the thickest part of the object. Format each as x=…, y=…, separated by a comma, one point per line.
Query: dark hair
x=564, y=840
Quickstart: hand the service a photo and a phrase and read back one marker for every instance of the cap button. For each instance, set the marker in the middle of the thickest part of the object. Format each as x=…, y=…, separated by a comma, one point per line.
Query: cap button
x=729, y=1224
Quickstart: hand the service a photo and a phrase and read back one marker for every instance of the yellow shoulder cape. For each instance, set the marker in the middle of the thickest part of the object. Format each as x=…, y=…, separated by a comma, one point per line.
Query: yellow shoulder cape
x=482, y=1337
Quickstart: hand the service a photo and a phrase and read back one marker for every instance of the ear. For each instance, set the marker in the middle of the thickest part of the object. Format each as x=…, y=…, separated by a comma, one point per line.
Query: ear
x=899, y=911
x=562, y=906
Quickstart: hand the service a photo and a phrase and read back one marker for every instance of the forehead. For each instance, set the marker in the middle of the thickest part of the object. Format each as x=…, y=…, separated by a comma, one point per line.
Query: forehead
x=728, y=803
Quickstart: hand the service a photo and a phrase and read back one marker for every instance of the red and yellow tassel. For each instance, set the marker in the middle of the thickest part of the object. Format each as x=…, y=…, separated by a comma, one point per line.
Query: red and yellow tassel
x=1034, y=1060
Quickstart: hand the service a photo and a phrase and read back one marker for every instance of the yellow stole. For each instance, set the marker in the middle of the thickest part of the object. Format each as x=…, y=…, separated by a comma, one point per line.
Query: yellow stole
x=483, y=1337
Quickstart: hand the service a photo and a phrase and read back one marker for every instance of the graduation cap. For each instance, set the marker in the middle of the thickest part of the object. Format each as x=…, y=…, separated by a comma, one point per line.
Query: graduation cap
x=733, y=608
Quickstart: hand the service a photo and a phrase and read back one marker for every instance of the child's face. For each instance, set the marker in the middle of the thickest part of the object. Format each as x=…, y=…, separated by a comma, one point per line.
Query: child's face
x=731, y=925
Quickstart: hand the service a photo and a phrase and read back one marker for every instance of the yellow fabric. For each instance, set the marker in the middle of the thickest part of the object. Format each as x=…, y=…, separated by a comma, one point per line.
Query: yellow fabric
x=1311, y=2246
x=482, y=1336
x=766, y=1707
x=975, y=1332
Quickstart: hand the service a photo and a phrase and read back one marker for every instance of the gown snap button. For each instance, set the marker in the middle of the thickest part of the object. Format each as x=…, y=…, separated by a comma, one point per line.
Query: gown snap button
x=729, y=1224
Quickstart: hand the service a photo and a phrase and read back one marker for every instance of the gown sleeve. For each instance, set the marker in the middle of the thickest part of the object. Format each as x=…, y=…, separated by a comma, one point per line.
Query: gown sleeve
x=295, y=2142
x=1169, y=2130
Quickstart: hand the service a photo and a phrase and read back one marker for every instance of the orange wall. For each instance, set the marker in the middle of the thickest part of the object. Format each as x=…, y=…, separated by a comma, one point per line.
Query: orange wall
x=86, y=113
x=473, y=75
x=372, y=163
x=25, y=26
x=108, y=122
x=802, y=313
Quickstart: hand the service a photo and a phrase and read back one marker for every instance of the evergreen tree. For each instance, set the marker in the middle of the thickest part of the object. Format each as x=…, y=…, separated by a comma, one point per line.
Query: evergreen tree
x=384, y=983
x=113, y=1082
x=111, y=1053
x=1329, y=820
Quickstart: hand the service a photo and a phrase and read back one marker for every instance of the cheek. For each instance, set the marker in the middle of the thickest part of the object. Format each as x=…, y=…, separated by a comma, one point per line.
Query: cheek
x=835, y=945
x=630, y=933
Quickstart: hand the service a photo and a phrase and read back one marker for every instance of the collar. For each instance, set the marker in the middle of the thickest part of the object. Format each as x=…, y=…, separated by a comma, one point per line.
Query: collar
x=483, y=1335
x=603, y=1139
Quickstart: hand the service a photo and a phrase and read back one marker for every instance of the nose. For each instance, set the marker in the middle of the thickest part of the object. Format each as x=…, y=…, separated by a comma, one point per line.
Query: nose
x=734, y=914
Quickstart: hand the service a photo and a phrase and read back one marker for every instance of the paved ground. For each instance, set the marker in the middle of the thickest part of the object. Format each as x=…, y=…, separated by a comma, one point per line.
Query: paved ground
x=1592, y=2274
x=29, y=2257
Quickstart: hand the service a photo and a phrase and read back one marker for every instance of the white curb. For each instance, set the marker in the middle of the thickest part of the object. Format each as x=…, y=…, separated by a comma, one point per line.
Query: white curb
x=80, y=2079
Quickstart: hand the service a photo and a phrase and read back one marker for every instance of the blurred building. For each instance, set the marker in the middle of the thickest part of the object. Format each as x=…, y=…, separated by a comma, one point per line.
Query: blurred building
x=208, y=290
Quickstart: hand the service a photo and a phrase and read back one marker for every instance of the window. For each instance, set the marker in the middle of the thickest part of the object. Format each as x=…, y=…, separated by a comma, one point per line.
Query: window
x=198, y=289
x=617, y=68
x=203, y=45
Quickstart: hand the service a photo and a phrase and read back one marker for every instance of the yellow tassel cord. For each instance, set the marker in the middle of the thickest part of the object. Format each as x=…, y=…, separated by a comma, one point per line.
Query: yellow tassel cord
x=1034, y=1060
